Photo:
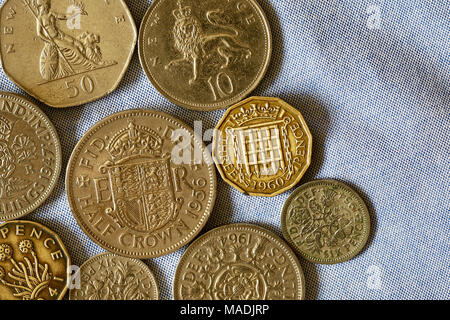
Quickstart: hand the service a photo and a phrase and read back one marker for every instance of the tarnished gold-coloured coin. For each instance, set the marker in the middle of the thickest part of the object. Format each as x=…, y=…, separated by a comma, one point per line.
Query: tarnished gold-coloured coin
x=34, y=264
x=67, y=52
x=262, y=146
x=205, y=55
x=239, y=262
x=326, y=222
x=111, y=277
x=141, y=184
x=30, y=156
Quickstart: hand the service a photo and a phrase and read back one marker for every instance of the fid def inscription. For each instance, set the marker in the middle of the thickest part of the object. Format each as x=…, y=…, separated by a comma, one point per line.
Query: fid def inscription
x=130, y=194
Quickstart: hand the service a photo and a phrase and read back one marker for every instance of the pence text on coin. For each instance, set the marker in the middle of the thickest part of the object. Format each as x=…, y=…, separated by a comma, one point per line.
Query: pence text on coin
x=262, y=146
x=66, y=52
x=326, y=222
x=34, y=264
x=112, y=277
x=239, y=262
x=141, y=184
x=30, y=156
x=205, y=55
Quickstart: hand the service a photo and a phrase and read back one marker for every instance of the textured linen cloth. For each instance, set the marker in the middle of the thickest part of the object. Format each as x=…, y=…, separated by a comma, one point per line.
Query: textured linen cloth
x=372, y=79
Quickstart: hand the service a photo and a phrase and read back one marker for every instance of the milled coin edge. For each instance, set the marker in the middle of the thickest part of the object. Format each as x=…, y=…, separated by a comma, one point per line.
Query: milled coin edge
x=347, y=257
x=243, y=227
x=143, y=112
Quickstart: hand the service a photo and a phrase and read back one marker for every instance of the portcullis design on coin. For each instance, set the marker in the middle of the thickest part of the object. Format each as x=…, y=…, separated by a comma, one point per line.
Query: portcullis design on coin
x=34, y=264
x=141, y=184
x=262, y=146
x=205, y=55
x=68, y=52
x=111, y=277
x=326, y=222
x=239, y=262
x=30, y=156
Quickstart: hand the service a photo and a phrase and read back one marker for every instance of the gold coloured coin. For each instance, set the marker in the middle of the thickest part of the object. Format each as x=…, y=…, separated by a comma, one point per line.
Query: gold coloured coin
x=326, y=222
x=34, y=264
x=67, y=52
x=262, y=146
x=239, y=262
x=30, y=156
x=141, y=184
x=205, y=55
x=111, y=277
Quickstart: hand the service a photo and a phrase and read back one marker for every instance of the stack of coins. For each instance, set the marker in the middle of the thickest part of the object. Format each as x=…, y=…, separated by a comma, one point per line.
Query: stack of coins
x=130, y=185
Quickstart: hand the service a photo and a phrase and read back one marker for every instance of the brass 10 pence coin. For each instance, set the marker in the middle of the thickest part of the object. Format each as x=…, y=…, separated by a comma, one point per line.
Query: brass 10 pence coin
x=239, y=262
x=326, y=222
x=111, y=277
x=66, y=52
x=262, y=146
x=205, y=55
x=141, y=184
x=30, y=156
x=34, y=264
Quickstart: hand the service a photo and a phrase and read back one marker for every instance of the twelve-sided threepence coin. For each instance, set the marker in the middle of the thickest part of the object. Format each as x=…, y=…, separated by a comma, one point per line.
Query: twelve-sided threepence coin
x=205, y=55
x=30, y=156
x=34, y=263
x=141, y=184
x=326, y=222
x=239, y=262
x=111, y=277
x=66, y=52
x=262, y=146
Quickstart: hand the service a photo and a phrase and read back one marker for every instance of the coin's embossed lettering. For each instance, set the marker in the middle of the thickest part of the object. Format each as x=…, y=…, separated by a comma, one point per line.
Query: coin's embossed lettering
x=110, y=277
x=11, y=13
x=8, y=30
x=195, y=44
x=238, y=265
x=10, y=48
x=324, y=222
x=120, y=19
x=64, y=55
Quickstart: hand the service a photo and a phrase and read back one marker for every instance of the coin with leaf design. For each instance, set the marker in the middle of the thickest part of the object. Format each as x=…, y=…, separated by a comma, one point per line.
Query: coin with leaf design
x=326, y=222
x=30, y=156
x=239, y=262
x=111, y=277
x=34, y=263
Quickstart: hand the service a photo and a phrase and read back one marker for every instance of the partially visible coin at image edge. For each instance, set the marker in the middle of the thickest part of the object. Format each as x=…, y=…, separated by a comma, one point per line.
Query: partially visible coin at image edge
x=30, y=156
x=66, y=53
x=111, y=277
x=326, y=222
x=34, y=263
x=205, y=55
x=239, y=262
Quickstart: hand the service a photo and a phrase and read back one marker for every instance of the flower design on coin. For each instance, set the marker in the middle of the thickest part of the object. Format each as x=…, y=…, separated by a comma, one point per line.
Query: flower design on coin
x=241, y=263
x=326, y=221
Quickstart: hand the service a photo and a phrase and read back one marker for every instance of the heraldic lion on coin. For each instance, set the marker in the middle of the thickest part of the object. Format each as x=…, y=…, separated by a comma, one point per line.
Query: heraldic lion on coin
x=196, y=45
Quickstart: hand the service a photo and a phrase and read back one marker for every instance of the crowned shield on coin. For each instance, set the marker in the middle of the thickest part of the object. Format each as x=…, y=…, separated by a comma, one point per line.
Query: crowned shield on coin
x=140, y=179
x=134, y=188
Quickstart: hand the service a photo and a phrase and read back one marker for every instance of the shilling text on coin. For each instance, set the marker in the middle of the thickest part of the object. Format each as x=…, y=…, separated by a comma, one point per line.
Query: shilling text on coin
x=326, y=222
x=34, y=264
x=262, y=146
x=205, y=55
x=239, y=262
x=141, y=184
x=30, y=156
x=112, y=277
x=66, y=52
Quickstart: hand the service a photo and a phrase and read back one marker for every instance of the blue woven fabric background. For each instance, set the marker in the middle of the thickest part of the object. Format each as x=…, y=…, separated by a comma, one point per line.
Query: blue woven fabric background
x=372, y=79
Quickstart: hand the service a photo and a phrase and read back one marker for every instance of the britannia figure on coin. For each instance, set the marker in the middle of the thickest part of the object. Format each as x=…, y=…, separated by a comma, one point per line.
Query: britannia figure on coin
x=64, y=55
